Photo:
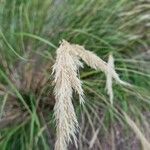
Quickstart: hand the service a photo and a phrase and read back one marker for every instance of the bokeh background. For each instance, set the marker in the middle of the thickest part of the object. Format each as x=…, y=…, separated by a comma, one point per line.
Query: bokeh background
x=30, y=32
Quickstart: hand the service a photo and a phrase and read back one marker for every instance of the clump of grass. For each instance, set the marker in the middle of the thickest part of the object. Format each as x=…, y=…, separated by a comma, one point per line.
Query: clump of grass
x=104, y=27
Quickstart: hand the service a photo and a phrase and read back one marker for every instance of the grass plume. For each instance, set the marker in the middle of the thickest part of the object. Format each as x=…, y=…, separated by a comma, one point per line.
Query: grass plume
x=109, y=79
x=66, y=79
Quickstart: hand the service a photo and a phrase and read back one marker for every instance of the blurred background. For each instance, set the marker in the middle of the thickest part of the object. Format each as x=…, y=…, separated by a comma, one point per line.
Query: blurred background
x=30, y=32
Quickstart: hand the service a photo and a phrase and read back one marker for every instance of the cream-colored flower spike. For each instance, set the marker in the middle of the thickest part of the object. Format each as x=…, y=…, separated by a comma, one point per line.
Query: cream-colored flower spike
x=65, y=69
x=109, y=79
x=95, y=62
x=66, y=80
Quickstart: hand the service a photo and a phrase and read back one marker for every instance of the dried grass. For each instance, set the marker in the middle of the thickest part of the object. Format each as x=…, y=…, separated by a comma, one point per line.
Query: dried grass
x=96, y=63
x=145, y=143
x=109, y=79
x=65, y=69
x=66, y=80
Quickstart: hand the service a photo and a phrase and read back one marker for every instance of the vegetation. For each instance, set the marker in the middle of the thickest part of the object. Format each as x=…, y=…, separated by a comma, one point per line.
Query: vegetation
x=30, y=32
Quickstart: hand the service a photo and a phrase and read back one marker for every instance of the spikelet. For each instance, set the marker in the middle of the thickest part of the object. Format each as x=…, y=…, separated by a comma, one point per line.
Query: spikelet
x=65, y=69
x=96, y=63
x=109, y=79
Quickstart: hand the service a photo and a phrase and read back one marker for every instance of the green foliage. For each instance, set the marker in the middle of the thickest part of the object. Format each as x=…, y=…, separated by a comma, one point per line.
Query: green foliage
x=102, y=26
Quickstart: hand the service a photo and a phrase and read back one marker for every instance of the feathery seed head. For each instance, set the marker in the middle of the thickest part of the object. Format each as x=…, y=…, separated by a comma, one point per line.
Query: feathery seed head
x=66, y=80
